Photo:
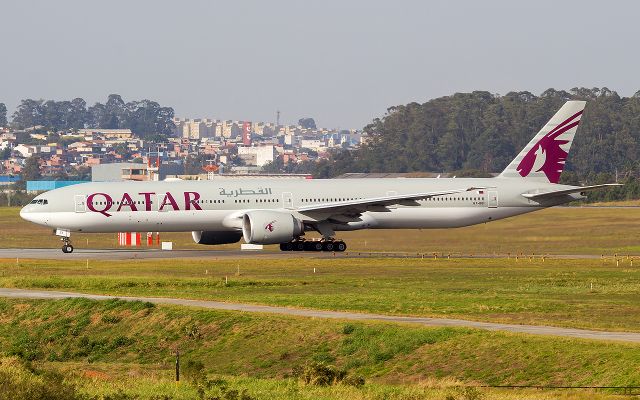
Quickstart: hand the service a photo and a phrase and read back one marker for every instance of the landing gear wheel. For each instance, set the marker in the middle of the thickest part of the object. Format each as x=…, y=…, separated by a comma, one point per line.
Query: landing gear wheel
x=298, y=246
x=328, y=246
x=313, y=246
x=67, y=248
x=286, y=246
x=340, y=246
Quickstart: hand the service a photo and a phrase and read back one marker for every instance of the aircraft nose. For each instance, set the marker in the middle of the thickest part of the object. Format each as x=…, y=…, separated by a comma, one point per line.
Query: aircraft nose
x=25, y=213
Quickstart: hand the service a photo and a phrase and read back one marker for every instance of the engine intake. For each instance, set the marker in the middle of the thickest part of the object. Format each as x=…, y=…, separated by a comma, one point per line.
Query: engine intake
x=216, y=237
x=270, y=227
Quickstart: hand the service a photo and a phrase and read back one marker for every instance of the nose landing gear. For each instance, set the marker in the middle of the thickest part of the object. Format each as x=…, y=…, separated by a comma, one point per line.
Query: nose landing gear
x=66, y=245
x=65, y=236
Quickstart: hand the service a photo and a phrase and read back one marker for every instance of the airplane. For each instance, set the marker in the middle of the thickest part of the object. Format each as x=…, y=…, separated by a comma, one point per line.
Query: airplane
x=281, y=211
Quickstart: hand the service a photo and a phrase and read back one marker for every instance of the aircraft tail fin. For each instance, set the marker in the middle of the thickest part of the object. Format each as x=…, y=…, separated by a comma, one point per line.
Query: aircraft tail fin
x=544, y=157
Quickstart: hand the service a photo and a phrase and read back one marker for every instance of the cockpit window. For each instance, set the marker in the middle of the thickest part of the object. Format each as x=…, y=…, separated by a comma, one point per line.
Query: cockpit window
x=39, y=201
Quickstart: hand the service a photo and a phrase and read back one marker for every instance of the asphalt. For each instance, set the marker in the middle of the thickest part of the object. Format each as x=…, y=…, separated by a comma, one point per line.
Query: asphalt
x=133, y=254
x=630, y=337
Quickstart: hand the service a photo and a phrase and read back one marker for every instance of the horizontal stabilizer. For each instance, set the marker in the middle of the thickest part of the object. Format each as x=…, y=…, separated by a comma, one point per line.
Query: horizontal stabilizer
x=577, y=189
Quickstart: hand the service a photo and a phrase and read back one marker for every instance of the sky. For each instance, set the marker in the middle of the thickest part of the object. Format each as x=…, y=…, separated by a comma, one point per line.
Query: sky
x=342, y=63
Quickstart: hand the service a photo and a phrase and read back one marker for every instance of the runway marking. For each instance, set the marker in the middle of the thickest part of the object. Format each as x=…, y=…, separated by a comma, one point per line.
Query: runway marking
x=631, y=337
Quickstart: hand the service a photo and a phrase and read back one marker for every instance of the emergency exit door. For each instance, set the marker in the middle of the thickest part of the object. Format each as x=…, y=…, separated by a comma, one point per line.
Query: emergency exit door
x=492, y=199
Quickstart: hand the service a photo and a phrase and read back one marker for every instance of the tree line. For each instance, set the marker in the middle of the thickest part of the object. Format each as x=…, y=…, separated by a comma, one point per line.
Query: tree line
x=484, y=132
x=145, y=118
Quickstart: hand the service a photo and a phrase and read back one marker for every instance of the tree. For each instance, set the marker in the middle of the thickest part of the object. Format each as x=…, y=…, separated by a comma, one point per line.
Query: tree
x=5, y=153
x=307, y=123
x=31, y=170
x=29, y=113
x=3, y=115
x=193, y=165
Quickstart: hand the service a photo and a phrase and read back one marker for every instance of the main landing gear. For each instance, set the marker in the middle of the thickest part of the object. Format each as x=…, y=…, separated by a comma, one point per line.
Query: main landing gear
x=314, y=245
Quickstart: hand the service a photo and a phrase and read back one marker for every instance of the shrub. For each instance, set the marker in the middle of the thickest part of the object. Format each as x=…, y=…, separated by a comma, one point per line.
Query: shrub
x=193, y=371
x=193, y=332
x=354, y=380
x=19, y=383
x=348, y=329
x=321, y=374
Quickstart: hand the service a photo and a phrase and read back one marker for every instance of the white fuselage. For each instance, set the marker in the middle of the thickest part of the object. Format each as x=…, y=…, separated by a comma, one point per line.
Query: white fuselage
x=216, y=205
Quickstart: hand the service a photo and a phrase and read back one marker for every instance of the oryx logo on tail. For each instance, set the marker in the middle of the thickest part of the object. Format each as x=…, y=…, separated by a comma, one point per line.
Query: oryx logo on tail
x=547, y=155
x=544, y=157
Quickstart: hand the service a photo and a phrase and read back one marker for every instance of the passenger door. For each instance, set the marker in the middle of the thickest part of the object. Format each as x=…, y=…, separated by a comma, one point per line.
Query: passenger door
x=80, y=201
x=287, y=200
x=492, y=199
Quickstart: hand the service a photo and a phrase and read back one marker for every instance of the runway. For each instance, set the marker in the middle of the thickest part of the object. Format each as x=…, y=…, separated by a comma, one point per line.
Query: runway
x=630, y=337
x=134, y=254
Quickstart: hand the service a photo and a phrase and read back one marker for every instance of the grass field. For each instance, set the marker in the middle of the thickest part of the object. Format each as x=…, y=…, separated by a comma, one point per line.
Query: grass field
x=588, y=230
x=115, y=345
x=119, y=350
x=593, y=294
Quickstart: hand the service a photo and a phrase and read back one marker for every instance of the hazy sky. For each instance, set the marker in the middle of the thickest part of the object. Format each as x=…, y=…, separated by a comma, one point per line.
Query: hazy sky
x=340, y=62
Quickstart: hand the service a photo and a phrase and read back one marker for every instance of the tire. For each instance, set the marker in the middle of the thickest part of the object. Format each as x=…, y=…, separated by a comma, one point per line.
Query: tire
x=340, y=246
x=298, y=246
x=328, y=246
x=317, y=246
x=67, y=248
x=283, y=247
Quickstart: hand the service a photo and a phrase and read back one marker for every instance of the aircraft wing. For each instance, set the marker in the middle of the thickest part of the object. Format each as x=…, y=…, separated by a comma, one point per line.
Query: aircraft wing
x=376, y=203
x=578, y=189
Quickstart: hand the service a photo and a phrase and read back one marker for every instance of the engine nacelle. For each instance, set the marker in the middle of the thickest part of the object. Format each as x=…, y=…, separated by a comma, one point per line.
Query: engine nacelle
x=270, y=227
x=216, y=237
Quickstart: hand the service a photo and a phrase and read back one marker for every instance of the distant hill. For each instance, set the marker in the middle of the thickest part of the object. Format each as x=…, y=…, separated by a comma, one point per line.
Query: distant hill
x=483, y=131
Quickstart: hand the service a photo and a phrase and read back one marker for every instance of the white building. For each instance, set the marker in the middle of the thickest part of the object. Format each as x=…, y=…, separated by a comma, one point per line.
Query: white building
x=313, y=144
x=258, y=155
x=26, y=150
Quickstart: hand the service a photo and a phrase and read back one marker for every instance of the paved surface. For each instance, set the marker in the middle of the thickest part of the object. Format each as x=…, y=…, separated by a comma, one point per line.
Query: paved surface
x=529, y=329
x=132, y=254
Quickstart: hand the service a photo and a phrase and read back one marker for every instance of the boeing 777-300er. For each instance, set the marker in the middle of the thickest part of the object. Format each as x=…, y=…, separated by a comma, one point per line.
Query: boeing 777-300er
x=280, y=211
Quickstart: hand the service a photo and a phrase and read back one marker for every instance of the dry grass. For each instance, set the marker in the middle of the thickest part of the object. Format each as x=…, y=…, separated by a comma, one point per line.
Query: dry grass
x=559, y=230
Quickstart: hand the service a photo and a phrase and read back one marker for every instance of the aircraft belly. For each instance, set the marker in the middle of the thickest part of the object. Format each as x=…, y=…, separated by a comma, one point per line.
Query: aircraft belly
x=442, y=217
x=151, y=221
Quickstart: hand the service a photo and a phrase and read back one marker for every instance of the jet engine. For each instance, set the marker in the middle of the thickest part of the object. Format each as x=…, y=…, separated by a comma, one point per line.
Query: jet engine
x=216, y=237
x=270, y=227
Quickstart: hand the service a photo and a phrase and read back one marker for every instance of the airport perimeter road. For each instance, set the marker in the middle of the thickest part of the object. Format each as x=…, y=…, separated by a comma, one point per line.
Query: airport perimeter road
x=528, y=329
x=133, y=254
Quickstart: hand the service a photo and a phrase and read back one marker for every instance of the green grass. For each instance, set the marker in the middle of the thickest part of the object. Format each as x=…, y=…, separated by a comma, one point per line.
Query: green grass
x=98, y=381
x=133, y=349
x=552, y=231
x=555, y=292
